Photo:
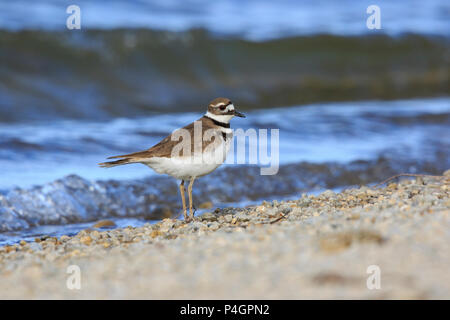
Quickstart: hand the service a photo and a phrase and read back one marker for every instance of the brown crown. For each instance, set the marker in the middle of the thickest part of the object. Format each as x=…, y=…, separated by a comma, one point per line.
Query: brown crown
x=212, y=107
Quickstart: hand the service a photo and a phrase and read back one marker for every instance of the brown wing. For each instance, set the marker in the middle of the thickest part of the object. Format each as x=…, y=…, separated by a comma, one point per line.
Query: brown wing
x=165, y=146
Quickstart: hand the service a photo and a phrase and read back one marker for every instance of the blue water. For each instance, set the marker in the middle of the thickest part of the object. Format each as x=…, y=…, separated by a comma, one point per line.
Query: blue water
x=255, y=19
x=40, y=152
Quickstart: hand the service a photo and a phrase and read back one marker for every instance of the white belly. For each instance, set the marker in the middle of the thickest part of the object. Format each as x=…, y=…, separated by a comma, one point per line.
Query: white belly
x=185, y=168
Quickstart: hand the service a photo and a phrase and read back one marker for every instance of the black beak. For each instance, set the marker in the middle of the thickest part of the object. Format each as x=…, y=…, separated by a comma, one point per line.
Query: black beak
x=238, y=114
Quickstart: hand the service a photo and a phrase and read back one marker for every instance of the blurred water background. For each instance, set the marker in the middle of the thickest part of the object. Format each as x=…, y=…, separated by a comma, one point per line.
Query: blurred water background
x=353, y=105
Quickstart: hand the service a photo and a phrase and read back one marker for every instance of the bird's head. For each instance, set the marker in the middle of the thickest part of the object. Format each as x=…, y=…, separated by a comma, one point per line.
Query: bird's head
x=222, y=110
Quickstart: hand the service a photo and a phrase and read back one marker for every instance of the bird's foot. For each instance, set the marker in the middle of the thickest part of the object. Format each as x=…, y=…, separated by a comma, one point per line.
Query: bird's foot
x=192, y=212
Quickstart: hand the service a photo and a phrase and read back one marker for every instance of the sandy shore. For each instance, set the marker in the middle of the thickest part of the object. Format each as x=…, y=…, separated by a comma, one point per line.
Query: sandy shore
x=312, y=247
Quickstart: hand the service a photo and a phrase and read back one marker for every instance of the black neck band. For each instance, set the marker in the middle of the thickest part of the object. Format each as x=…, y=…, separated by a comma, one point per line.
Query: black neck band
x=218, y=123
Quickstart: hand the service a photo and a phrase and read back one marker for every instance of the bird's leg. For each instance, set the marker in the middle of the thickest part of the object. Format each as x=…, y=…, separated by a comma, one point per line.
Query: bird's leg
x=191, y=213
x=183, y=199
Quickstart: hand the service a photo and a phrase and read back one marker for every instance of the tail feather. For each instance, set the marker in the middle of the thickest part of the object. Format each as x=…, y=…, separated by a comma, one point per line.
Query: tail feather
x=116, y=163
x=130, y=155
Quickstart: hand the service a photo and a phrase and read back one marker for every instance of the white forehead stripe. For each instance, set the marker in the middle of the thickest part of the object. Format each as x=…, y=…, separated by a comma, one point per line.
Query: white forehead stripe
x=230, y=106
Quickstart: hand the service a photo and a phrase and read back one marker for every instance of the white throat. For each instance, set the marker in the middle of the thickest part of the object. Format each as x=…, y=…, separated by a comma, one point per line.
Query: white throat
x=224, y=118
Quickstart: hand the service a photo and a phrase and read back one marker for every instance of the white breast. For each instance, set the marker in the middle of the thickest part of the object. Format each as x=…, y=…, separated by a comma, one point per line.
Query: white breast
x=195, y=166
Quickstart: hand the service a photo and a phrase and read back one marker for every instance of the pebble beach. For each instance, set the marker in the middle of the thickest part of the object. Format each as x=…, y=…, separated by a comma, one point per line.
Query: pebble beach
x=312, y=247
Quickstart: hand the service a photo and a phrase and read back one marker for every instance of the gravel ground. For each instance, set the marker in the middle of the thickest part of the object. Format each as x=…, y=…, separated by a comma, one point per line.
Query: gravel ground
x=313, y=247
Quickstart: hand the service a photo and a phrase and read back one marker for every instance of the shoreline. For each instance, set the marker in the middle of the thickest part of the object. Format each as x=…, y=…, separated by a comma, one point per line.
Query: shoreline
x=74, y=199
x=313, y=247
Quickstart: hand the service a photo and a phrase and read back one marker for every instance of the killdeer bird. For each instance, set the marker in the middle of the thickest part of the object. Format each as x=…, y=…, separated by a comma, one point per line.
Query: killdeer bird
x=190, y=152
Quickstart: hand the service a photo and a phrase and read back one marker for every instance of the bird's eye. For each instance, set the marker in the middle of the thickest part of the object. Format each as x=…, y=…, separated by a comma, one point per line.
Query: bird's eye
x=222, y=107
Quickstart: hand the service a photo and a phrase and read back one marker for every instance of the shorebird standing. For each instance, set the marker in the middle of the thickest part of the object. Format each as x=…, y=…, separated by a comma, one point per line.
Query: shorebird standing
x=203, y=149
